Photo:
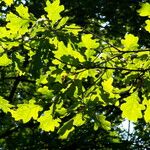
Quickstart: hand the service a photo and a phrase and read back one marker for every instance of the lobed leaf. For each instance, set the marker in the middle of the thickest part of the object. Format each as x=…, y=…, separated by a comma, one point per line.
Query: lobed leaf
x=66, y=129
x=78, y=120
x=23, y=11
x=4, y=105
x=144, y=10
x=25, y=112
x=147, y=27
x=47, y=123
x=4, y=60
x=107, y=85
x=8, y=2
x=130, y=42
x=53, y=10
x=17, y=25
x=88, y=42
x=131, y=109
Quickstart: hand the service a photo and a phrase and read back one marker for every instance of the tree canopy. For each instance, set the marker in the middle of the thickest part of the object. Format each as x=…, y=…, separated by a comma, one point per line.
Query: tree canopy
x=72, y=72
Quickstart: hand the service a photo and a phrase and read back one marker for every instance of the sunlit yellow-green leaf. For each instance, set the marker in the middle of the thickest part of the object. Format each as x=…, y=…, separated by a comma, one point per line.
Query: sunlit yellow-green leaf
x=20, y=57
x=144, y=10
x=101, y=122
x=60, y=109
x=130, y=42
x=113, y=133
x=4, y=32
x=16, y=24
x=107, y=85
x=1, y=49
x=18, y=70
x=4, y=60
x=88, y=42
x=89, y=53
x=104, y=123
x=78, y=120
x=66, y=134
x=96, y=126
x=131, y=109
x=9, y=44
x=66, y=129
x=74, y=29
x=147, y=27
x=62, y=22
x=53, y=10
x=45, y=90
x=4, y=105
x=83, y=74
x=108, y=74
x=67, y=51
x=25, y=112
x=42, y=80
x=95, y=95
x=47, y=122
x=8, y=2
x=23, y=11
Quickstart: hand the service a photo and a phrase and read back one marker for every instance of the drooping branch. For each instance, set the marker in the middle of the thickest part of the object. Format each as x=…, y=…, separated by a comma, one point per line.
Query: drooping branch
x=22, y=79
x=14, y=88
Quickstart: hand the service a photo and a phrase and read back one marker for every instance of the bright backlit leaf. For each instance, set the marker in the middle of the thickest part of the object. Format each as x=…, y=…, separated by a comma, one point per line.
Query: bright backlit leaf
x=42, y=80
x=16, y=24
x=131, y=109
x=45, y=90
x=20, y=57
x=53, y=10
x=96, y=95
x=78, y=120
x=47, y=122
x=66, y=129
x=4, y=60
x=89, y=54
x=8, y=2
x=1, y=49
x=147, y=27
x=18, y=71
x=83, y=74
x=60, y=109
x=25, y=112
x=145, y=10
x=63, y=51
x=130, y=42
x=88, y=42
x=101, y=122
x=81, y=77
x=104, y=123
x=62, y=22
x=107, y=85
x=4, y=105
x=4, y=32
x=23, y=11
x=74, y=29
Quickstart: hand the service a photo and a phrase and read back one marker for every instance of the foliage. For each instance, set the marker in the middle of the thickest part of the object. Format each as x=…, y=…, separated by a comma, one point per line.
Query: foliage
x=62, y=76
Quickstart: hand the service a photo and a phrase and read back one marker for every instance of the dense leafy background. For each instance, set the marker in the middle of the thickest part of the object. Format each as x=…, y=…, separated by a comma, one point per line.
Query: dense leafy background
x=70, y=74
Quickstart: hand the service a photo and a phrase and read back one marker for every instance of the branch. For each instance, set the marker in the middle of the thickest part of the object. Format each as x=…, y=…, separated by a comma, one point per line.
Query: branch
x=22, y=79
x=128, y=51
x=14, y=88
x=135, y=51
x=126, y=69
